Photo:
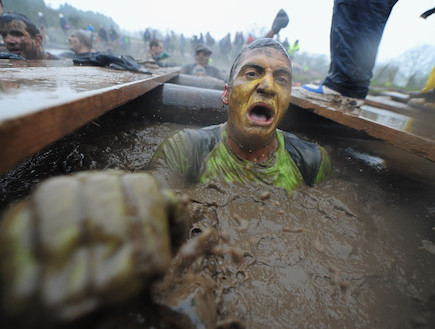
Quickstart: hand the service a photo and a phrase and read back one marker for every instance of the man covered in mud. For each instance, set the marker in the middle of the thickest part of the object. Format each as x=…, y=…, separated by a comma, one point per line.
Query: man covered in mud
x=157, y=54
x=202, y=58
x=22, y=37
x=80, y=44
x=249, y=147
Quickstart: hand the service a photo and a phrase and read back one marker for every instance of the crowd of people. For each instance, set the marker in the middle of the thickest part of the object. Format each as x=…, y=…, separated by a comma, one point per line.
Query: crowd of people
x=199, y=55
x=24, y=38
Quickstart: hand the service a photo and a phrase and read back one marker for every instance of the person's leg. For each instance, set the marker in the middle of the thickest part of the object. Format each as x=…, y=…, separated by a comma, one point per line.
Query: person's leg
x=356, y=31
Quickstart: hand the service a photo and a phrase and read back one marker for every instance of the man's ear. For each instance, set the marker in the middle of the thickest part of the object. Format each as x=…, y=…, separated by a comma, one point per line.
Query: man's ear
x=225, y=95
x=38, y=39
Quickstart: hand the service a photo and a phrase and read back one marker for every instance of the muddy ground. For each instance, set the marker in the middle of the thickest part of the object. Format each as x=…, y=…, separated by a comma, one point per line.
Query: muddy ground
x=355, y=251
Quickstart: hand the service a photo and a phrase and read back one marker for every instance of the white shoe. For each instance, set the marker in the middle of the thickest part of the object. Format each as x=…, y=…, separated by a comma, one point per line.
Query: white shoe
x=327, y=94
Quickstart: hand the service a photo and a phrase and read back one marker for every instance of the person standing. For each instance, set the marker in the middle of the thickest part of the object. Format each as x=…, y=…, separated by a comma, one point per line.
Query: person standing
x=2, y=45
x=63, y=24
x=356, y=31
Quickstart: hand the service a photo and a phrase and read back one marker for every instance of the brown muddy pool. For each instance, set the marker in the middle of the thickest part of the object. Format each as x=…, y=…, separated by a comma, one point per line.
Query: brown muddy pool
x=356, y=251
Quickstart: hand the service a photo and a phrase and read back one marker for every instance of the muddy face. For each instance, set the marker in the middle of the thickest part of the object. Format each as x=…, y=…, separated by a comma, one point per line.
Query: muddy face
x=259, y=97
x=202, y=58
x=74, y=43
x=157, y=50
x=19, y=41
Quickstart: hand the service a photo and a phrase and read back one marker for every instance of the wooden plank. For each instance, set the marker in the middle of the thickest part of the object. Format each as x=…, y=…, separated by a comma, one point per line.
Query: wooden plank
x=40, y=104
x=385, y=102
x=396, y=96
x=411, y=133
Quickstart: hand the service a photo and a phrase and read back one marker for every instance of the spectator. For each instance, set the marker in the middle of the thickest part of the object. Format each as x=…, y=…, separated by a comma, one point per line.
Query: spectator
x=239, y=41
x=293, y=49
x=2, y=45
x=42, y=21
x=250, y=39
x=147, y=36
x=63, y=24
x=286, y=43
x=225, y=47
x=102, y=38
x=425, y=98
x=182, y=44
x=209, y=40
x=113, y=35
x=90, y=28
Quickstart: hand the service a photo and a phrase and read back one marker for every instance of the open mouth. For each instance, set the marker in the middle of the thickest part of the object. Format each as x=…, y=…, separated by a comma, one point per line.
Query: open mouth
x=15, y=51
x=261, y=114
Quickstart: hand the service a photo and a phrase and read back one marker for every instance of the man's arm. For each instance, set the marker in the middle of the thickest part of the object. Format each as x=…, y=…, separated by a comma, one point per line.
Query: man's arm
x=84, y=241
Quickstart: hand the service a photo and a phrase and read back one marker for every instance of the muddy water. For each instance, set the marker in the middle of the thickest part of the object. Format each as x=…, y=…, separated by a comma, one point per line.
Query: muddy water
x=353, y=252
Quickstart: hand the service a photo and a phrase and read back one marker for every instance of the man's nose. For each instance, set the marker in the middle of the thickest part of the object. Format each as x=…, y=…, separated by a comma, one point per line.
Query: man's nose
x=266, y=85
x=9, y=39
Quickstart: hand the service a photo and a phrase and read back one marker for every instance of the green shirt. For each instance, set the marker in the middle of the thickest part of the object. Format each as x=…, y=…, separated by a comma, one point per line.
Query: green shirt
x=200, y=155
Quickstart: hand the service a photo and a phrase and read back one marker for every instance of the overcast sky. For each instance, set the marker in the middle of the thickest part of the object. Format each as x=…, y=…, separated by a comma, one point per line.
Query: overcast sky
x=310, y=20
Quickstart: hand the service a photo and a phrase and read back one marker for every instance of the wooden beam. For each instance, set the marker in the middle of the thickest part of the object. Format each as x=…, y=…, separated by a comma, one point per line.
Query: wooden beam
x=412, y=132
x=40, y=105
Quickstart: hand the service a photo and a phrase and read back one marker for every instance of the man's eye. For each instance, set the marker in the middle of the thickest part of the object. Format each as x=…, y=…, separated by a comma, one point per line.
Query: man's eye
x=251, y=74
x=282, y=80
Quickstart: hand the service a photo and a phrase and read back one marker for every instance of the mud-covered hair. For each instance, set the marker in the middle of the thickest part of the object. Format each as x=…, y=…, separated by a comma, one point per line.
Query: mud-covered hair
x=30, y=27
x=258, y=43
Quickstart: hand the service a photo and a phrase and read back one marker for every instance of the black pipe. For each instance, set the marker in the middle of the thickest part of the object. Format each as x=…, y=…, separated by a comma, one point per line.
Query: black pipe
x=180, y=104
x=200, y=82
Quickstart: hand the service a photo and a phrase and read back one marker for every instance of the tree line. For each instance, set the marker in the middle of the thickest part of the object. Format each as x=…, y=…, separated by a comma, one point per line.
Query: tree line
x=76, y=18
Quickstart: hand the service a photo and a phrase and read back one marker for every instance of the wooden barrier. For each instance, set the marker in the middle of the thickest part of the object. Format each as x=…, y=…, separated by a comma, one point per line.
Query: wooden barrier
x=41, y=104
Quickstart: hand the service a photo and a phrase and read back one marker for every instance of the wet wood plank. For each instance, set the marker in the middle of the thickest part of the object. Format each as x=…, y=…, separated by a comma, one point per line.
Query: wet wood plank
x=40, y=103
x=389, y=103
x=410, y=130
